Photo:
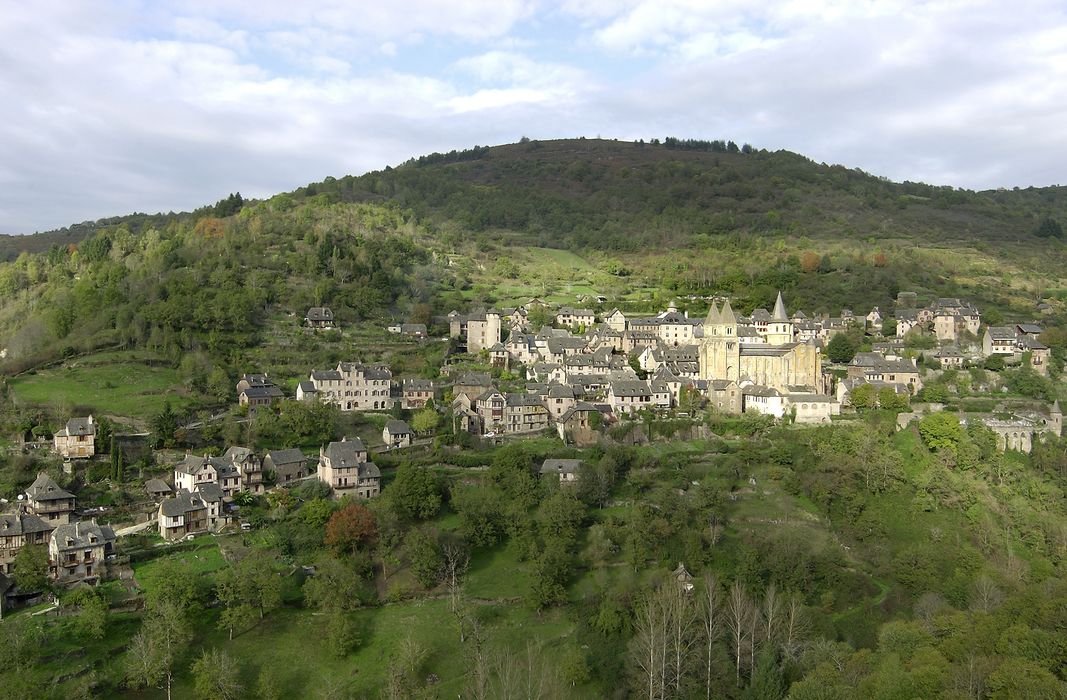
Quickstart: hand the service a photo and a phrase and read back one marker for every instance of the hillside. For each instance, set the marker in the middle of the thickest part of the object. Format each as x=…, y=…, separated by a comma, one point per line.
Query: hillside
x=637, y=223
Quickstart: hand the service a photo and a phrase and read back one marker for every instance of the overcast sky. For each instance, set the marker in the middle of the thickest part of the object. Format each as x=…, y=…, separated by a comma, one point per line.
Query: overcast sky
x=117, y=106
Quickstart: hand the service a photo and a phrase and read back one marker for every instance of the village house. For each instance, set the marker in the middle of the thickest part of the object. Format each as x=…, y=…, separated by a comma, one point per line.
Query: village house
x=907, y=319
x=873, y=366
x=568, y=317
x=248, y=465
x=351, y=387
x=414, y=393
x=344, y=467
x=397, y=434
x=579, y=425
x=412, y=330
x=629, y=397
x=490, y=409
x=157, y=488
x=566, y=470
x=558, y=399
x=17, y=530
x=676, y=328
x=812, y=408
x=256, y=390
x=949, y=357
x=499, y=356
x=319, y=317
x=616, y=321
x=46, y=500
x=998, y=340
x=725, y=396
x=1016, y=341
x=471, y=384
x=77, y=552
x=524, y=413
x=765, y=400
x=193, y=471
x=77, y=439
x=185, y=513
x=287, y=465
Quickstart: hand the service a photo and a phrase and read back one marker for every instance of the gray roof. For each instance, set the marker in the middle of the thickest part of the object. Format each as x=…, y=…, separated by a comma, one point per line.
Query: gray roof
x=263, y=392
x=78, y=426
x=320, y=313
x=779, y=313
x=157, y=486
x=210, y=492
x=345, y=452
x=1030, y=328
x=14, y=524
x=630, y=388
x=182, y=503
x=325, y=375
x=45, y=488
x=1001, y=332
x=289, y=456
x=473, y=379
x=307, y=387
x=418, y=385
x=560, y=466
x=79, y=535
x=398, y=427
x=524, y=400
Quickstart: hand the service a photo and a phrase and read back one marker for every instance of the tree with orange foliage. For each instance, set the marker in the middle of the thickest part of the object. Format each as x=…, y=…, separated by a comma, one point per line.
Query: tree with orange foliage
x=809, y=261
x=351, y=527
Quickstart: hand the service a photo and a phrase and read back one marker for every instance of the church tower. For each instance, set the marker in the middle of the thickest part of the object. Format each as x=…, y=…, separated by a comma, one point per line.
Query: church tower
x=720, y=353
x=780, y=329
x=1055, y=419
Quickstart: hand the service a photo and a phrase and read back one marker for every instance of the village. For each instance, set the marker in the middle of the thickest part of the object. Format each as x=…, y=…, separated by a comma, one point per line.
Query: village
x=573, y=378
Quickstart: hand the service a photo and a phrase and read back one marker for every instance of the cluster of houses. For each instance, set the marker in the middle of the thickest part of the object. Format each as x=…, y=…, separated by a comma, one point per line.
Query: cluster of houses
x=46, y=515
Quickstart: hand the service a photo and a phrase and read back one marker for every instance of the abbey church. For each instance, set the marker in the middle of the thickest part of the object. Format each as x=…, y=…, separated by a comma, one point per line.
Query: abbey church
x=774, y=359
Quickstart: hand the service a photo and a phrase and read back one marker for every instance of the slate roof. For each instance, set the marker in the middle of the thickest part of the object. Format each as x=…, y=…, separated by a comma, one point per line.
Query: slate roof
x=473, y=379
x=345, y=452
x=418, y=385
x=320, y=313
x=210, y=492
x=78, y=426
x=157, y=486
x=263, y=392
x=630, y=388
x=182, y=503
x=289, y=456
x=560, y=466
x=14, y=524
x=81, y=535
x=322, y=375
x=398, y=427
x=45, y=488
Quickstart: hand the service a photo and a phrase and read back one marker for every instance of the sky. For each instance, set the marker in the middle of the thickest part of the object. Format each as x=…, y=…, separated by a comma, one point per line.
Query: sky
x=117, y=106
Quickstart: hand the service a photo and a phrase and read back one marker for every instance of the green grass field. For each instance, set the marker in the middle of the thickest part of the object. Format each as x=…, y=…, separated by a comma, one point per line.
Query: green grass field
x=114, y=383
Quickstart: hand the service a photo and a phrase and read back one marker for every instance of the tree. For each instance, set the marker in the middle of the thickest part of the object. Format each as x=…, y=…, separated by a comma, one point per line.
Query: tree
x=164, y=425
x=862, y=396
x=941, y=430
x=414, y=493
x=890, y=400
x=550, y=575
x=424, y=555
x=711, y=616
x=231, y=589
x=1049, y=228
x=31, y=569
x=840, y=348
x=351, y=527
x=215, y=676
x=740, y=614
x=156, y=648
x=425, y=421
x=91, y=620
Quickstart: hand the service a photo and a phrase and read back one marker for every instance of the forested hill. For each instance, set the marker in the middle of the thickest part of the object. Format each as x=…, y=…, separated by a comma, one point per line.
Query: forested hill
x=615, y=195
x=486, y=225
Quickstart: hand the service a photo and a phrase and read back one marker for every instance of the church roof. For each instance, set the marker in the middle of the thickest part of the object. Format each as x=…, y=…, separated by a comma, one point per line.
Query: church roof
x=779, y=313
x=727, y=314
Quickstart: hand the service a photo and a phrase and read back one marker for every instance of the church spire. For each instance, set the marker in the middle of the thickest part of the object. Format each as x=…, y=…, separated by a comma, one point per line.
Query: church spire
x=727, y=314
x=713, y=316
x=779, y=313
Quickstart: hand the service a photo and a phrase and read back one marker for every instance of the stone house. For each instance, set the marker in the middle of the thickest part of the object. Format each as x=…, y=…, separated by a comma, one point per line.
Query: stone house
x=77, y=552
x=998, y=340
x=17, y=530
x=414, y=393
x=249, y=465
x=194, y=471
x=352, y=387
x=46, y=500
x=287, y=465
x=566, y=470
x=577, y=424
x=483, y=330
x=568, y=317
x=949, y=357
x=725, y=396
x=319, y=317
x=875, y=367
x=397, y=434
x=813, y=408
x=185, y=513
x=157, y=488
x=77, y=439
x=490, y=409
x=256, y=390
x=471, y=384
x=616, y=321
x=524, y=413
x=764, y=399
x=344, y=466
x=558, y=399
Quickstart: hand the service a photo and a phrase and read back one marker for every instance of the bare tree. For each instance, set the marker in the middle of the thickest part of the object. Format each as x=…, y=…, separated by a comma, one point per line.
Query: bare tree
x=649, y=644
x=739, y=614
x=985, y=595
x=795, y=627
x=772, y=615
x=454, y=562
x=711, y=623
x=683, y=632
